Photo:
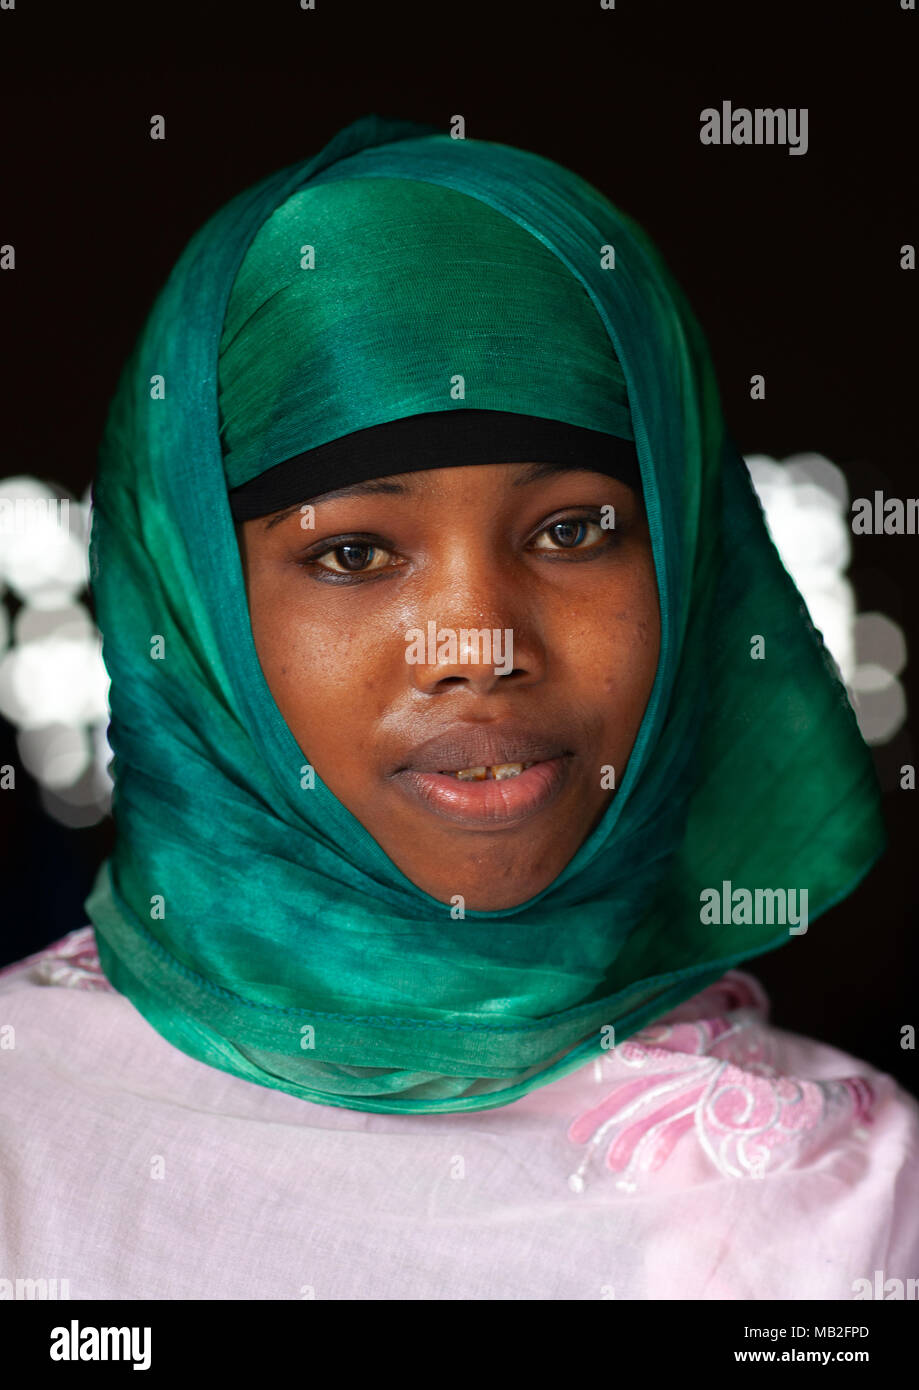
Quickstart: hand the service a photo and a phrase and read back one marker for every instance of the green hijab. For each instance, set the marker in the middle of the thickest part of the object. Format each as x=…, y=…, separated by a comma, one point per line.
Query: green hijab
x=248, y=915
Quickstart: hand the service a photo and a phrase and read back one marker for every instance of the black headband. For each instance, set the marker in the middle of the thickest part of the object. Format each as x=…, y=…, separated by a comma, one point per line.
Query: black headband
x=437, y=439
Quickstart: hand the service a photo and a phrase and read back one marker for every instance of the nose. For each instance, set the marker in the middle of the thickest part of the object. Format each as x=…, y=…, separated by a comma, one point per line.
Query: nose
x=478, y=645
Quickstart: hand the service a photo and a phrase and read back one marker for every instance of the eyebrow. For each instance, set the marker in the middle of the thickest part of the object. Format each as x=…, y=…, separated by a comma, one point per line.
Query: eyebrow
x=375, y=485
x=534, y=473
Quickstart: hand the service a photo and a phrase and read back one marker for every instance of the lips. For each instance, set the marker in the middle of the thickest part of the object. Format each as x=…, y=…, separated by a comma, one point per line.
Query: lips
x=428, y=774
x=482, y=745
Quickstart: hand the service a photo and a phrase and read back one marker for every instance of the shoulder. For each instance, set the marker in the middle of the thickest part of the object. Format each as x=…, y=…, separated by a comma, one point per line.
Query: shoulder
x=72, y=961
x=759, y=1098
x=777, y=1141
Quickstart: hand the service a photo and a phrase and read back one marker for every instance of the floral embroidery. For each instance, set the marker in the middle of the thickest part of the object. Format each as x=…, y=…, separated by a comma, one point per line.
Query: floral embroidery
x=72, y=962
x=715, y=1077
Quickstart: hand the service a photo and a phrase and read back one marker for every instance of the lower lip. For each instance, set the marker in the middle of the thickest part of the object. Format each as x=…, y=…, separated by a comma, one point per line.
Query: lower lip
x=488, y=804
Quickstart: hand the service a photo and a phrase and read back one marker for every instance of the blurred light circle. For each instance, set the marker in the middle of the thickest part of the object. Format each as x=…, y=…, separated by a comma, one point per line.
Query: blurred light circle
x=11, y=704
x=805, y=501
x=43, y=554
x=79, y=515
x=25, y=488
x=75, y=814
x=24, y=485
x=880, y=713
x=869, y=677
x=72, y=620
x=57, y=755
x=825, y=474
x=808, y=538
x=880, y=641
x=54, y=681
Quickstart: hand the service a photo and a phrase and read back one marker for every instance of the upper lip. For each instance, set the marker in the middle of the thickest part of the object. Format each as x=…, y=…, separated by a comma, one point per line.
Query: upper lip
x=481, y=745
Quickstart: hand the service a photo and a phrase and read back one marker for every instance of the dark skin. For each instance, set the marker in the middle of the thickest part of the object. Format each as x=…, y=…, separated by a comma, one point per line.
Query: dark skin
x=502, y=546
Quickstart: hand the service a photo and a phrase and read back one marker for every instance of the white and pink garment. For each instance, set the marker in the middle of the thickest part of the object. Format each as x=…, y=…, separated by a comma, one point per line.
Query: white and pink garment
x=710, y=1156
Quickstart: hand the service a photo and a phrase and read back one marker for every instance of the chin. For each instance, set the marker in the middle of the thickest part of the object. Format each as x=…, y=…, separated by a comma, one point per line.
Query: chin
x=498, y=902
x=498, y=890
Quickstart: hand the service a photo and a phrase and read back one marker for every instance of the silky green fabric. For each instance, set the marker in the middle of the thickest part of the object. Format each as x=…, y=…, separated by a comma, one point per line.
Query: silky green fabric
x=396, y=304
x=254, y=922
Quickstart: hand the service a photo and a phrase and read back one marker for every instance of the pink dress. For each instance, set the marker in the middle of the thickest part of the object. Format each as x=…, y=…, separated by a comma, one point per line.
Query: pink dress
x=710, y=1156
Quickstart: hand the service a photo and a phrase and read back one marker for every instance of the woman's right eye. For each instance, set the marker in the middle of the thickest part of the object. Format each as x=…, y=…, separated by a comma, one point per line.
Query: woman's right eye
x=353, y=557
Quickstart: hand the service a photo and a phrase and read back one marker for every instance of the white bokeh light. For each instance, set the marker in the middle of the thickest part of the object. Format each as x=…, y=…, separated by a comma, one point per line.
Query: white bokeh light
x=43, y=561
x=57, y=755
x=53, y=683
x=806, y=502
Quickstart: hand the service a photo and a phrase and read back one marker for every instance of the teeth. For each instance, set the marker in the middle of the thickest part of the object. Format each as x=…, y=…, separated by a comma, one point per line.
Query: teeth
x=498, y=772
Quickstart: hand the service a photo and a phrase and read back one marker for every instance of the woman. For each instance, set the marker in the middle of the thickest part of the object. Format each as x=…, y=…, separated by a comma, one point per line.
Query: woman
x=468, y=735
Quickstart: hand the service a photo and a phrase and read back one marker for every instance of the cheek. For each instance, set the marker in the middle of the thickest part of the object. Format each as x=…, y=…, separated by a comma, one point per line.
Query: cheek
x=325, y=676
x=637, y=636
x=613, y=647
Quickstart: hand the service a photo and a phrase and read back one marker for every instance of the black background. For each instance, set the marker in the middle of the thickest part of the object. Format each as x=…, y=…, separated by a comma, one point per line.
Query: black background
x=790, y=262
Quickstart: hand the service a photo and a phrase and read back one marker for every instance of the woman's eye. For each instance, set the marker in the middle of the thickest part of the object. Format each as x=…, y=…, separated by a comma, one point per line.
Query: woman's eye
x=570, y=534
x=353, y=557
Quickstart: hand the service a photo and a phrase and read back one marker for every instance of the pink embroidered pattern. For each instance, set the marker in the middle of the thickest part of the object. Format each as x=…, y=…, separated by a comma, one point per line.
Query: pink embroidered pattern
x=708, y=1070
x=71, y=962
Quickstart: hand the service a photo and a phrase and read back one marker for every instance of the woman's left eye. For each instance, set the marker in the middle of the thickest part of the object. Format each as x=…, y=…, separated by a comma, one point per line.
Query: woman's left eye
x=570, y=533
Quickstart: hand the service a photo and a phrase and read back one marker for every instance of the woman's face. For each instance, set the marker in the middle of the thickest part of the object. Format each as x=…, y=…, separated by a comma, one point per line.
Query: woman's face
x=455, y=620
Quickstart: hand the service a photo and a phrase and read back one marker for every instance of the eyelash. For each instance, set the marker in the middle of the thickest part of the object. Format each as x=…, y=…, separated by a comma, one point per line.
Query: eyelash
x=326, y=575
